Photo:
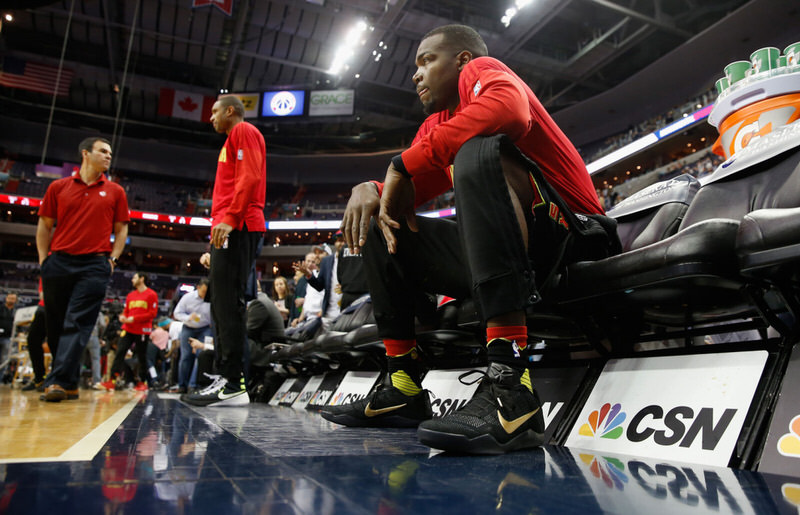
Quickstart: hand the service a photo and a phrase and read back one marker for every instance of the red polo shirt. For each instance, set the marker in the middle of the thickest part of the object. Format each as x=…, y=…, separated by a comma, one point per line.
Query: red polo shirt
x=84, y=214
x=494, y=100
x=240, y=186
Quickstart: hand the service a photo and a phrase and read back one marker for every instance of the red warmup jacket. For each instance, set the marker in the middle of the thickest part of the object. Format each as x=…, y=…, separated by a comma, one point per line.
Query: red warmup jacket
x=240, y=186
x=494, y=100
x=143, y=307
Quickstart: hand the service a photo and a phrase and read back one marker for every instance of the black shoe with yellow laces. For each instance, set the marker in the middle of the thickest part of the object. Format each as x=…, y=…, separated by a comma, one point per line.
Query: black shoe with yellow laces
x=503, y=415
x=386, y=407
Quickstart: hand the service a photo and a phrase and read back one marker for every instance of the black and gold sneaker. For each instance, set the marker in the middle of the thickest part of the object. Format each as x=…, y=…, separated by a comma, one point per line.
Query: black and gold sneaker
x=385, y=407
x=502, y=416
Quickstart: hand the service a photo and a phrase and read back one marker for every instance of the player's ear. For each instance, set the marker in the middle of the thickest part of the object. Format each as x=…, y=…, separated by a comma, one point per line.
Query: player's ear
x=464, y=57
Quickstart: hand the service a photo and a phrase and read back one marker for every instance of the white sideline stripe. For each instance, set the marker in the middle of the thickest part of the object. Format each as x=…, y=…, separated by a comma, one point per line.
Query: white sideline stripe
x=88, y=446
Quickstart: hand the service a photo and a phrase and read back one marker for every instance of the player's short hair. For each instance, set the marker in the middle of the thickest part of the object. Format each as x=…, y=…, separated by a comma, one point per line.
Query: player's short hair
x=461, y=37
x=232, y=101
x=88, y=144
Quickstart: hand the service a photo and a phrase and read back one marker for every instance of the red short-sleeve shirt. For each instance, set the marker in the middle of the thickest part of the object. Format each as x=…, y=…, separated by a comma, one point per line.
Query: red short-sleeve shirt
x=84, y=214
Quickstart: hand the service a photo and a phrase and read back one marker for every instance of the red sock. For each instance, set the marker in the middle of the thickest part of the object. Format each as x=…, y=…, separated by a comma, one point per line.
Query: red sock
x=398, y=347
x=517, y=333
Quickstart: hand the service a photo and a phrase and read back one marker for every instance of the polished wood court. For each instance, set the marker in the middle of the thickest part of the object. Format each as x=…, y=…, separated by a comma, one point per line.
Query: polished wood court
x=34, y=430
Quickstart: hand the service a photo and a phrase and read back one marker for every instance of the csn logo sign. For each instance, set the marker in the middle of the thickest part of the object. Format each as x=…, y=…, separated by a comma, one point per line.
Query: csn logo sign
x=680, y=425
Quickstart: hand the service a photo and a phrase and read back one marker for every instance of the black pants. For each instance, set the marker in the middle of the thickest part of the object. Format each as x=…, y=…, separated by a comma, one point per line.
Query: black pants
x=230, y=269
x=140, y=350
x=481, y=255
x=74, y=288
x=37, y=332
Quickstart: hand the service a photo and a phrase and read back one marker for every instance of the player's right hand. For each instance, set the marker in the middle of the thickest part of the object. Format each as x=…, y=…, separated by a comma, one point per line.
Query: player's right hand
x=362, y=206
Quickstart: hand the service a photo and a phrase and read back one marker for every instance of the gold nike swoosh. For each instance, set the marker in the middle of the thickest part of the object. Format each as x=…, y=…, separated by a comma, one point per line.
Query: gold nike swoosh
x=369, y=412
x=513, y=425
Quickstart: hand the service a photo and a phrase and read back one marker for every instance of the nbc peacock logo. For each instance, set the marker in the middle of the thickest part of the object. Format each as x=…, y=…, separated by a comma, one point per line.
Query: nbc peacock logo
x=610, y=470
x=605, y=422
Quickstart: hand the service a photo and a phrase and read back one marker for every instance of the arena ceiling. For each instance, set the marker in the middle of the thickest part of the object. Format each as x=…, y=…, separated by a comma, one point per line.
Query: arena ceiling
x=569, y=51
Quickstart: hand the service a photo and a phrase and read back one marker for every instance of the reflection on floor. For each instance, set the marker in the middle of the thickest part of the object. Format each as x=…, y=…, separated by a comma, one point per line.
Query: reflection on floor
x=168, y=458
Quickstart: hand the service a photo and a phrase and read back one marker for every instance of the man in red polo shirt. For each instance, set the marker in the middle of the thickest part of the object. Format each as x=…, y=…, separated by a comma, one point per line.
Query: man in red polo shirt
x=141, y=307
x=77, y=259
x=237, y=212
x=489, y=138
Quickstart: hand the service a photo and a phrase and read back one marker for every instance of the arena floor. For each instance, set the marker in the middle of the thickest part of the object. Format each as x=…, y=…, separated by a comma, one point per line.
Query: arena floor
x=136, y=453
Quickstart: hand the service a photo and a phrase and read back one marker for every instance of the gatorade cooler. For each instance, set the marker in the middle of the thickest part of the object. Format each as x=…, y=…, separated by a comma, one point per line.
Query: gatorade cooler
x=755, y=107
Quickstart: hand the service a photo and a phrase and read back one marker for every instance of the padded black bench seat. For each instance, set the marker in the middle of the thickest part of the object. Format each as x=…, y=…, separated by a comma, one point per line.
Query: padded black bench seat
x=691, y=277
x=769, y=238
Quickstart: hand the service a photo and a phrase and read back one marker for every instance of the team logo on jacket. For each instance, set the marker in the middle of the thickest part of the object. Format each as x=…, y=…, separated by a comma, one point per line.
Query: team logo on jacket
x=477, y=88
x=102, y=193
x=240, y=154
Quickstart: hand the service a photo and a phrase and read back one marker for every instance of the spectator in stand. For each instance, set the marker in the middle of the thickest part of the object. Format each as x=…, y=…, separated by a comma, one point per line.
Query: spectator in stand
x=282, y=298
x=173, y=356
x=77, y=218
x=157, y=351
x=7, y=311
x=141, y=307
x=195, y=314
x=312, y=304
x=300, y=285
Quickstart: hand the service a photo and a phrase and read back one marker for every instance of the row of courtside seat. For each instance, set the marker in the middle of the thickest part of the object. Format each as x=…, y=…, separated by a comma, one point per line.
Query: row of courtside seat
x=711, y=256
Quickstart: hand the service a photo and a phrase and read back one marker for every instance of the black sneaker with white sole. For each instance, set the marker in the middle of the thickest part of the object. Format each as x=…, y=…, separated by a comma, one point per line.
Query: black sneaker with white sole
x=502, y=416
x=386, y=407
x=219, y=393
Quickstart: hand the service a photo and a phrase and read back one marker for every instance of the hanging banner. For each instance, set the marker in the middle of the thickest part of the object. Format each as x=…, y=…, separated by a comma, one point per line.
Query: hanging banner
x=335, y=102
x=225, y=6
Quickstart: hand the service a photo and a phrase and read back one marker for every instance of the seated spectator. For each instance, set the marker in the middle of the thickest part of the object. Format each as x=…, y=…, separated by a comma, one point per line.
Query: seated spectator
x=282, y=298
x=309, y=320
x=157, y=352
x=195, y=314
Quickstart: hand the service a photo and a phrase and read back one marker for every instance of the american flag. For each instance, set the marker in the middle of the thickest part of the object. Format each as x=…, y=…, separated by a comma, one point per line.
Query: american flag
x=18, y=73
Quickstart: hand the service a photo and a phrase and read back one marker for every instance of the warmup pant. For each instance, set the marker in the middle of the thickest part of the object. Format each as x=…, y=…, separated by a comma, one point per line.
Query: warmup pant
x=140, y=350
x=74, y=288
x=481, y=255
x=230, y=269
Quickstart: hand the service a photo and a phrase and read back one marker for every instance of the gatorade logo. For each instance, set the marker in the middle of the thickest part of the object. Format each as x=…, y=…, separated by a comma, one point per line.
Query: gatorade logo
x=606, y=422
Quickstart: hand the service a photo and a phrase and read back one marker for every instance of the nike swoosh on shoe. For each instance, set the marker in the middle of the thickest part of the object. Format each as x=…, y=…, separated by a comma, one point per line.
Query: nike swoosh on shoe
x=509, y=426
x=369, y=412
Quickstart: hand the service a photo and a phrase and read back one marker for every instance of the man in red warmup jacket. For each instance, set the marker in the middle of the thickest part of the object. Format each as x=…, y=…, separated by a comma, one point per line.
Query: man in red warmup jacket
x=237, y=212
x=141, y=307
x=485, y=136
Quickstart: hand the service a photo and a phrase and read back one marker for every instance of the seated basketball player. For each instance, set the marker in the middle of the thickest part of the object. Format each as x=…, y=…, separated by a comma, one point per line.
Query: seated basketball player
x=485, y=131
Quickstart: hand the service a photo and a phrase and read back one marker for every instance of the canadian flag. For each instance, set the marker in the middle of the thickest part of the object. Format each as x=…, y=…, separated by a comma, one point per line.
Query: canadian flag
x=189, y=106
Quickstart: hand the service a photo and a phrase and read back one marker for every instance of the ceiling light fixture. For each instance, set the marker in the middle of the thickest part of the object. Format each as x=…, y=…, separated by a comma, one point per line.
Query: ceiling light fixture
x=347, y=49
x=512, y=11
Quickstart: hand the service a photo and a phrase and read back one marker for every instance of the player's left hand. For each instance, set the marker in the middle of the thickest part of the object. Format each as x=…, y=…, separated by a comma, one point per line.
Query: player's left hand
x=397, y=202
x=219, y=233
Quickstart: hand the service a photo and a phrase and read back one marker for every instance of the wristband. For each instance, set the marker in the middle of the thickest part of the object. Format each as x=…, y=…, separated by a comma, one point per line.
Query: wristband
x=397, y=162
